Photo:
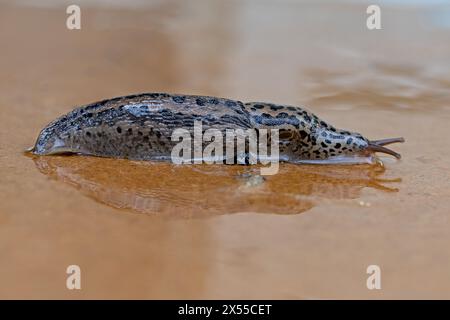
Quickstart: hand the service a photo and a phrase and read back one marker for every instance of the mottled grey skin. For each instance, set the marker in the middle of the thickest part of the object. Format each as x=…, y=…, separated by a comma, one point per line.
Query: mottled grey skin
x=140, y=127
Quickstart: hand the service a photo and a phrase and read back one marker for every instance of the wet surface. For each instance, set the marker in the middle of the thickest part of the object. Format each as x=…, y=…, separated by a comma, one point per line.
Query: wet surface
x=155, y=230
x=160, y=189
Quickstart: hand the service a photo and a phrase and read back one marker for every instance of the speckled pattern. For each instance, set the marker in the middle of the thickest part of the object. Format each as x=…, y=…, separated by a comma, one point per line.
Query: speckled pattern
x=303, y=136
x=140, y=127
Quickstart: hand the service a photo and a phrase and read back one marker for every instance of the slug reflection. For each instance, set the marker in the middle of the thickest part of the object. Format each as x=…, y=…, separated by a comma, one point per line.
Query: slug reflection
x=206, y=190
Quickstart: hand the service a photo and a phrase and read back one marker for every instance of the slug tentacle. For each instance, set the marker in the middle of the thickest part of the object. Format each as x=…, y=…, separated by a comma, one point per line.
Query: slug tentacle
x=379, y=148
x=384, y=142
x=140, y=127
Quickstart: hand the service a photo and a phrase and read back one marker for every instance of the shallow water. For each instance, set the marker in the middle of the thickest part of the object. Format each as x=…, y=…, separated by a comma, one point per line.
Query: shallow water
x=155, y=230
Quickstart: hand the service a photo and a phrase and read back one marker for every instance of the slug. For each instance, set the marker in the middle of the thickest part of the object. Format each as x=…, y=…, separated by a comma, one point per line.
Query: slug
x=139, y=127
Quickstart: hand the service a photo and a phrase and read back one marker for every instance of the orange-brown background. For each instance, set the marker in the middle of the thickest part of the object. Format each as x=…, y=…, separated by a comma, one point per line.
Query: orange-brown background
x=142, y=230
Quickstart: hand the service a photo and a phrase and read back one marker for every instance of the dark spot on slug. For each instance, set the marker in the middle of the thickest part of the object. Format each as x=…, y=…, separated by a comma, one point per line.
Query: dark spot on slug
x=119, y=130
x=337, y=145
x=200, y=101
x=259, y=106
x=328, y=141
x=275, y=107
x=285, y=134
x=282, y=115
x=214, y=101
x=230, y=103
x=179, y=99
x=88, y=134
x=323, y=144
x=349, y=140
x=303, y=134
x=291, y=108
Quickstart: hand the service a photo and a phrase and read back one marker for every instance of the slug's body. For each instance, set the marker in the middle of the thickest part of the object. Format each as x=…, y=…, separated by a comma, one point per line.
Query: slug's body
x=140, y=127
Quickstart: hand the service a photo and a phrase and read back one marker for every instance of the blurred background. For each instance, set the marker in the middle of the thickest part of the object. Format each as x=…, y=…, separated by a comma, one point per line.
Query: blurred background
x=154, y=231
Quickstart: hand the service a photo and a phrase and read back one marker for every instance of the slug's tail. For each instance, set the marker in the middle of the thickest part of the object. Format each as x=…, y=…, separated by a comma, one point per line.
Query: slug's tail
x=378, y=146
x=29, y=150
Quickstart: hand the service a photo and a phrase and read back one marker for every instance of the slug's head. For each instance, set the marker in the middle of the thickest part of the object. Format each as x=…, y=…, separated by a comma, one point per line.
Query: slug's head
x=349, y=147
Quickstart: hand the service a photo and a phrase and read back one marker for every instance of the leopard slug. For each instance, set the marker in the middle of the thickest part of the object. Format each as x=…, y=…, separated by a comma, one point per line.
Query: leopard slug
x=140, y=126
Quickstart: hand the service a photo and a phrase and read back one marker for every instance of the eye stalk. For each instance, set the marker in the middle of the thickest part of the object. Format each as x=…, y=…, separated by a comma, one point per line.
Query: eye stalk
x=378, y=146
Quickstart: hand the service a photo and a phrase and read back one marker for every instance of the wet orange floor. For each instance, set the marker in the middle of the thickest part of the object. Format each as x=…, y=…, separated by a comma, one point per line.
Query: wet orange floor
x=155, y=230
